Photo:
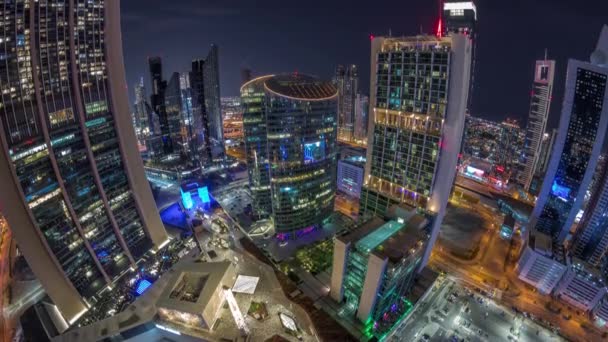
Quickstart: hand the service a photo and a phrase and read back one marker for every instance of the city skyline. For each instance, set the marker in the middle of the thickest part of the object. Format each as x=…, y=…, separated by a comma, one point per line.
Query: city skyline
x=382, y=173
x=497, y=93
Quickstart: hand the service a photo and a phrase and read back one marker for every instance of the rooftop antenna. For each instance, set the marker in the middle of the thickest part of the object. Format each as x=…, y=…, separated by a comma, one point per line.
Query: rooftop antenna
x=545, y=54
x=390, y=32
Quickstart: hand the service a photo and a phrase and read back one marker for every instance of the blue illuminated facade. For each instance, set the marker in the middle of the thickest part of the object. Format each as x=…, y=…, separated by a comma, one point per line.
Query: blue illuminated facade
x=142, y=286
x=290, y=137
x=188, y=190
x=582, y=130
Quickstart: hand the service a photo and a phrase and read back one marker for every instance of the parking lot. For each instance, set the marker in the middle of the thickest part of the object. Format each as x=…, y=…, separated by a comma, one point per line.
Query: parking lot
x=453, y=313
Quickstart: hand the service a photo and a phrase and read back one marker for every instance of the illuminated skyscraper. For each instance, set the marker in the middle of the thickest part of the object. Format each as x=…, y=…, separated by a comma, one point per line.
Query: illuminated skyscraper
x=207, y=105
x=290, y=139
x=73, y=184
x=347, y=82
x=581, y=133
x=173, y=108
x=213, y=104
x=537, y=119
x=361, y=118
x=461, y=17
x=157, y=101
x=200, y=122
x=140, y=112
x=419, y=93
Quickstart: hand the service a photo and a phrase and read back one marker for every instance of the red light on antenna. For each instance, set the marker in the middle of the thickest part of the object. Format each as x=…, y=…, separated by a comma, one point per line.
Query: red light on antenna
x=371, y=37
x=439, y=29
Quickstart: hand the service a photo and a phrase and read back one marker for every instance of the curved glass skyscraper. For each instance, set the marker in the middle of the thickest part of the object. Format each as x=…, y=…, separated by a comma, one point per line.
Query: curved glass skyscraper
x=290, y=137
x=73, y=186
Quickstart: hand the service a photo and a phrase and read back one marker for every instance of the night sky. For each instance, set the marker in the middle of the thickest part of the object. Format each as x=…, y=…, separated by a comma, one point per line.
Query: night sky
x=313, y=36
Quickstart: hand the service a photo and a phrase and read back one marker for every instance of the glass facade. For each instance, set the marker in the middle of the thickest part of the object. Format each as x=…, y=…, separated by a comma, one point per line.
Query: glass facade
x=291, y=150
x=395, y=281
x=59, y=128
x=581, y=135
x=410, y=106
x=254, y=127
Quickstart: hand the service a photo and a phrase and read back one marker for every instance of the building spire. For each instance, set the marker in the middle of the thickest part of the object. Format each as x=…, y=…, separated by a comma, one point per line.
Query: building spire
x=545, y=54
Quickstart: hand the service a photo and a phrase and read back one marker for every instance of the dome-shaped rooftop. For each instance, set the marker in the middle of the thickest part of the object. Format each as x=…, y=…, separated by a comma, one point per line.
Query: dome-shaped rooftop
x=300, y=87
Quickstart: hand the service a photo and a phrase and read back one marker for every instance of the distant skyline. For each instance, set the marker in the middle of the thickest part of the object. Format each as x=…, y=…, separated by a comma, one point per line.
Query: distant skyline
x=271, y=36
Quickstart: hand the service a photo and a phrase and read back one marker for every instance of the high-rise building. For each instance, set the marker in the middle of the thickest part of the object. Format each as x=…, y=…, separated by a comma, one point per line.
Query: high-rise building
x=347, y=82
x=419, y=92
x=361, y=119
x=245, y=75
x=537, y=119
x=140, y=112
x=188, y=130
x=73, y=184
x=591, y=239
x=374, y=267
x=290, y=140
x=207, y=106
x=173, y=108
x=200, y=122
x=157, y=102
x=545, y=151
x=461, y=17
x=582, y=129
x=211, y=80
x=510, y=144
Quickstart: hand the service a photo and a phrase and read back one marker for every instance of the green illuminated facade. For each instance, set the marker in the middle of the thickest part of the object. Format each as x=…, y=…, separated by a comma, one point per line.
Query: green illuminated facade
x=374, y=268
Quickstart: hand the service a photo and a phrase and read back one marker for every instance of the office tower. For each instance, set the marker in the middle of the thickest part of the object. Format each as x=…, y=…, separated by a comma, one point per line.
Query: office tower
x=142, y=128
x=188, y=131
x=461, y=17
x=173, y=108
x=290, y=140
x=200, y=122
x=374, y=267
x=537, y=119
x=509, y=145
x=157, y=101
x=545, y=151
x=347, y=81
x=591, y=239
x=245, y=75
x=418, y=95
x=580, y=137
x=211, y=80
x=232, y=116
x=361, y=119
x=72, y=179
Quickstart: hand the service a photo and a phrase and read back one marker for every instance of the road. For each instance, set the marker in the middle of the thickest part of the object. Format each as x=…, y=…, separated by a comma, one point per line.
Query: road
x=493, y=272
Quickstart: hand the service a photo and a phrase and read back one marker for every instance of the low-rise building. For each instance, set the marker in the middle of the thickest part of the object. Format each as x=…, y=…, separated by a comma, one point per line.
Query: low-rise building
x=600, y=313
x=195, y=294
x=581, y=289
x=536, y=265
